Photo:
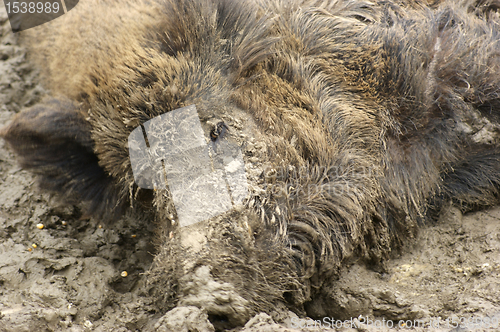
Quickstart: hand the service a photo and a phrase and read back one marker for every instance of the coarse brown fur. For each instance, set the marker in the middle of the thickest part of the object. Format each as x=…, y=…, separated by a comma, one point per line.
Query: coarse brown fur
x=358, y=106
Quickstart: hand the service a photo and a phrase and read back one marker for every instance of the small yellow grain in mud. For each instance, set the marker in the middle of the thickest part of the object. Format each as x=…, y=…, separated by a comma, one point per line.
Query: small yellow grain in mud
x=39, y=226
x=134, y=236
x=64, y=223
x=29, y=249
x=100, y=226
x=124, y=274
x=34, y=245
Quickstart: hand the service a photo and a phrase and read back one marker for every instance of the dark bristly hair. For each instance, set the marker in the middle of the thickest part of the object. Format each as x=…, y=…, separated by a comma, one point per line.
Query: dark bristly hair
x=359, y=108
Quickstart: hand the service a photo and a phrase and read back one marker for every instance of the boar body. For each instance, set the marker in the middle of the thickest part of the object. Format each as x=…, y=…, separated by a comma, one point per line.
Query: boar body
x=350, y=116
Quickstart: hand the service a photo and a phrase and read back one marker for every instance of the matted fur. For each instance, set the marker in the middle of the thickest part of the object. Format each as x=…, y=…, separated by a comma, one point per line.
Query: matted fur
x=358, y=103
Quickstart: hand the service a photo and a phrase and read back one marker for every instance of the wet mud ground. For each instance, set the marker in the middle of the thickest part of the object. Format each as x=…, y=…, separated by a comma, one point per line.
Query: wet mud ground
x=69, y=275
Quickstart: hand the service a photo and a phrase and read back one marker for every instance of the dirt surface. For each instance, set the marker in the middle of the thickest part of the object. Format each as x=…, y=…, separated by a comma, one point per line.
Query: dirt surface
x=60, y=271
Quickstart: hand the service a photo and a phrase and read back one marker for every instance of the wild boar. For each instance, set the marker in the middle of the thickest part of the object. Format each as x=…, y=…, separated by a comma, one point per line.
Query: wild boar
x=349, y=118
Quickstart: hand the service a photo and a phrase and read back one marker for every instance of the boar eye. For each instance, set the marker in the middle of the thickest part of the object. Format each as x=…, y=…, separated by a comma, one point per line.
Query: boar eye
x=218, y=131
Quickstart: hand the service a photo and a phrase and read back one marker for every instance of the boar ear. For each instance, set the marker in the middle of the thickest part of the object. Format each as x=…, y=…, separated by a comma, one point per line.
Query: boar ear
x=54, y=141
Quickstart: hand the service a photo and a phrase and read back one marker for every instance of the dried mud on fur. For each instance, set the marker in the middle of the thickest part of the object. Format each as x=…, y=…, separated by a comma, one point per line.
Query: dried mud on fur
x=76, y=274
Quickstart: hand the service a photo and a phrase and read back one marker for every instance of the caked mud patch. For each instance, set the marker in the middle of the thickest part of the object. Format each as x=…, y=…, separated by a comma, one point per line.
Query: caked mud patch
x=70, y=274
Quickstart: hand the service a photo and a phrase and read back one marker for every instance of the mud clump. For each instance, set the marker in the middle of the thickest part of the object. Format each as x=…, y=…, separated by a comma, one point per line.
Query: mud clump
x=357, y=123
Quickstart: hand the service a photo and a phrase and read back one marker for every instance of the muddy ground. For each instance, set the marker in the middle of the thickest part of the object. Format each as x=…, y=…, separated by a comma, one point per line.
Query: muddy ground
x=70, y=275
